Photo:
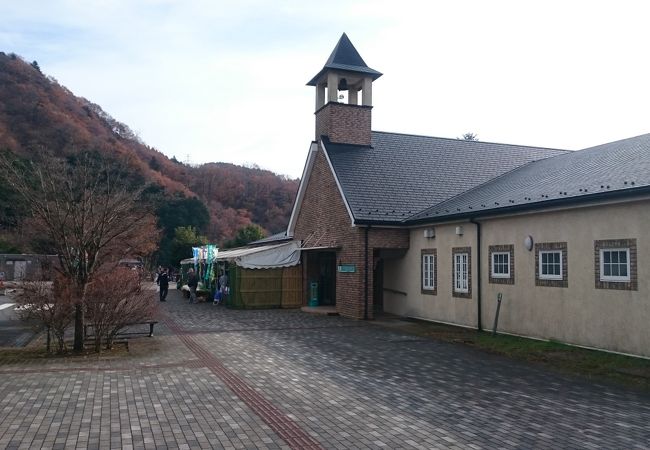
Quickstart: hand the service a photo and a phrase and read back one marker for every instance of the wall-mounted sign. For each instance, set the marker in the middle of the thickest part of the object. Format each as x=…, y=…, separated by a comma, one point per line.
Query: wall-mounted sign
x=347, y=268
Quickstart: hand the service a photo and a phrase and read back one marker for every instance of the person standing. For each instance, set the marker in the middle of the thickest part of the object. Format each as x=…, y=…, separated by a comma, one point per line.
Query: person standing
x=222, y=289
x=223, y=284
x=192, y=283
x=163, y=282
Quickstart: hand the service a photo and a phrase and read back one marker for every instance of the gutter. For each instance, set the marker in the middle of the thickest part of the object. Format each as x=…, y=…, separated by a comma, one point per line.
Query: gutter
x=539, y=206
x=366, y=265
x=479, y=325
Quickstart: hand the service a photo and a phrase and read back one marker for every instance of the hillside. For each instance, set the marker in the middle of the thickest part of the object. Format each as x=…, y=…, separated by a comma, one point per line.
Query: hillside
x=37, y=113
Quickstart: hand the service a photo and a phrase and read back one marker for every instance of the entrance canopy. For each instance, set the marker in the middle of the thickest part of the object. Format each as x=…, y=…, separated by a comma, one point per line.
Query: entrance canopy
x=264, y=257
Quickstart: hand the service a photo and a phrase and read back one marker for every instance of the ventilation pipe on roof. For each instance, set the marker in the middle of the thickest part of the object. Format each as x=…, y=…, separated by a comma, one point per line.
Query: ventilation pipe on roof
x=479, y=325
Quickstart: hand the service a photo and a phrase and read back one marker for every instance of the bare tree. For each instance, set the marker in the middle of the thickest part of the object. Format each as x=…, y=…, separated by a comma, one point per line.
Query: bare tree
x=114, y=300
x=89, y=209
x=470, y=136
x=47, y=304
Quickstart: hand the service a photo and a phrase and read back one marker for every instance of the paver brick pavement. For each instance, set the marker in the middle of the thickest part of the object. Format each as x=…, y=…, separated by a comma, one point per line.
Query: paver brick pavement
x=219, y=378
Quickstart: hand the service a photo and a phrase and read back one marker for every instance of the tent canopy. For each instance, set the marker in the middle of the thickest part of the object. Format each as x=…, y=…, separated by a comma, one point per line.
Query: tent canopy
x=263, y=257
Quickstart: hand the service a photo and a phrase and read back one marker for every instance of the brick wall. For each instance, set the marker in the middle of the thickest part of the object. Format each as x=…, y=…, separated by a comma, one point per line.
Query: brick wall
x=324, y=217
x=342, y=123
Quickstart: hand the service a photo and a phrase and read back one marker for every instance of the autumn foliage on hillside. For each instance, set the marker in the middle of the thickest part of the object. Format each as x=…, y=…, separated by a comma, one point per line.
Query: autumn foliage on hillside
x=238, y=196
x=37, y=114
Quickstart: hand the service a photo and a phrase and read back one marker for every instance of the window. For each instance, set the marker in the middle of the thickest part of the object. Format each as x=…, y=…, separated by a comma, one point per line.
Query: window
x=615, y=264
x=550, y=265
x=461, y=272
x=428, y=273
x=461, y=263
x=501, y=265
x=428, y=280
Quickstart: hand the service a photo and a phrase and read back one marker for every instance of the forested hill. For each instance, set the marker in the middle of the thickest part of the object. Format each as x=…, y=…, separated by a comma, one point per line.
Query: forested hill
x=37, y=113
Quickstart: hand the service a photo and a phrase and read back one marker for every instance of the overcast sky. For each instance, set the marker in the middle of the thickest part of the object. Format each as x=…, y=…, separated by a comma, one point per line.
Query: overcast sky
x=225, y=80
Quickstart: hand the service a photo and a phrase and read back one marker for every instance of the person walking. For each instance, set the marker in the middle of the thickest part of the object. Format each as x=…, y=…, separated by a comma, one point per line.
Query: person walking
x=163, y=282
x=192, y=283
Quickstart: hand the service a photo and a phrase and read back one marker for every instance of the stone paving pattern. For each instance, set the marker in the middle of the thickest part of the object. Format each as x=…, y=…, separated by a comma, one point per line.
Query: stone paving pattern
x=218, y=378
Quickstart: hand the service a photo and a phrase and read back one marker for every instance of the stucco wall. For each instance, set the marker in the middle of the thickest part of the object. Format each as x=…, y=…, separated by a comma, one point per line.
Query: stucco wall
x=404, y=274
x=579, y=313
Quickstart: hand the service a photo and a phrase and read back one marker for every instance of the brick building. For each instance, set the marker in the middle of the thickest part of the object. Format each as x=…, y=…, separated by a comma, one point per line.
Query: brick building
x=355, y=193
x=436, y=228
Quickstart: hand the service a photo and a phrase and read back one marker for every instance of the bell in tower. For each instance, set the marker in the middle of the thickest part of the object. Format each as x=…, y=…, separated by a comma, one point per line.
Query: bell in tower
x=344, y=71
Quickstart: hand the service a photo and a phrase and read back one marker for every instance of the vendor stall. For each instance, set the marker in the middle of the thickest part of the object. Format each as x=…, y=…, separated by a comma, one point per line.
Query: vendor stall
x=267, y=276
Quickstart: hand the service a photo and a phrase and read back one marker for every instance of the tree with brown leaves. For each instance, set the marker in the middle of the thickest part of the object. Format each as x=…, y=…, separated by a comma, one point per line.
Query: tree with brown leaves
x=114, y=300
x=47, y=304
x=90, y=209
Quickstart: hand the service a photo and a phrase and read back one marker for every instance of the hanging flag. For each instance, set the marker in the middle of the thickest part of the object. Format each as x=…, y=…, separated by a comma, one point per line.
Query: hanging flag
x=195, y=255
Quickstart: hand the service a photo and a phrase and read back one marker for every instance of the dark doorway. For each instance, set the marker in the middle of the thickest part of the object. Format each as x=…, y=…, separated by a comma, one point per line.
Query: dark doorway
x=327, y=281
x=321, y=269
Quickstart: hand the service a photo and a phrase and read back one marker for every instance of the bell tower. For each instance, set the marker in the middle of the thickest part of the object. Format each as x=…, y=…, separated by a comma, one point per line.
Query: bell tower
x=344, y=72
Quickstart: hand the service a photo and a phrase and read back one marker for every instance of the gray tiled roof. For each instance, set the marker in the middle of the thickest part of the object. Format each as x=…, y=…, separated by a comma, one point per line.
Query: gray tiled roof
x=621, y=167
x=345, y=57
x=281, y=236
x=401, y=175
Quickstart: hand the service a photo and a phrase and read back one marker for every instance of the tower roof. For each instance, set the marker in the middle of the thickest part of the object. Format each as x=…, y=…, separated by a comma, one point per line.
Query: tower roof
x=345, y=57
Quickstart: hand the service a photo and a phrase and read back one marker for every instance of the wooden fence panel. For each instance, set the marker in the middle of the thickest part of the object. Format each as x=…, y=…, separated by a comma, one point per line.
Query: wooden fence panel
x=292, y=287
x=261, y=288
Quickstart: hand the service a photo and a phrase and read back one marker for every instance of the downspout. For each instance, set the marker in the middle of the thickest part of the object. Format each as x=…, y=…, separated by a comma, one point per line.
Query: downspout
x=479, y=325
x=365, y=299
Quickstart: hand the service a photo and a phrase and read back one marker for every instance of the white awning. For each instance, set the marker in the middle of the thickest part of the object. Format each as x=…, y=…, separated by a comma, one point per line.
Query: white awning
x=264, y=257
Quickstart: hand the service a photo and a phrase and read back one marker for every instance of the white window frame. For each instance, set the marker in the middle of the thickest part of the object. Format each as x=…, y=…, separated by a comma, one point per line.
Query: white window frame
x=430, y=257
x=547, y=276
x=617, y=279
x=458, y=275
x=500, y=275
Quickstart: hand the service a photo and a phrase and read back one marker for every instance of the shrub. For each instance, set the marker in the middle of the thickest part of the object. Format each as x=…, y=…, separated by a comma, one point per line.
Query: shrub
x=115, y=300
x=47, y=304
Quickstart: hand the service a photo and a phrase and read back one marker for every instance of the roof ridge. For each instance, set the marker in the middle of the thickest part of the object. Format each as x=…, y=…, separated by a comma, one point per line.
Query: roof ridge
x=614, y=142
x=478, y=142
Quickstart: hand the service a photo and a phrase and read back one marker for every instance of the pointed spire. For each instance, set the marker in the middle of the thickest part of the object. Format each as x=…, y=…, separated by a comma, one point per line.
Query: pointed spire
x=345, y=57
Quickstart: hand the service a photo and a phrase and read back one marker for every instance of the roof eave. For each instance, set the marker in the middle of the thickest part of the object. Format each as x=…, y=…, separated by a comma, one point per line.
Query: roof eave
x=370, y=72
x=368, y=222
x=338, y=183
x=600, y=196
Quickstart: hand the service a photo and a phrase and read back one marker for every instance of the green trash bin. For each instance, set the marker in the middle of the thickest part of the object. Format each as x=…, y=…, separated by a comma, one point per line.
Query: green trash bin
x=313, y=294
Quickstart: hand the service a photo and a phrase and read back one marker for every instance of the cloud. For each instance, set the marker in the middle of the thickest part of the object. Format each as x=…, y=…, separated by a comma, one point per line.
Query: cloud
x=225, y=81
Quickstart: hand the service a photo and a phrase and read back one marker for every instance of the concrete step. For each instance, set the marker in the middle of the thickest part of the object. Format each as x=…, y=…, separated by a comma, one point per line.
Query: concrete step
x=324, y=310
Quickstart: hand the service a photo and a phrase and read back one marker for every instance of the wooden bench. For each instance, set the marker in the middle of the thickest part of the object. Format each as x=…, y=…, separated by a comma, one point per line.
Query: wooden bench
x=90, y=341
x=151, y=324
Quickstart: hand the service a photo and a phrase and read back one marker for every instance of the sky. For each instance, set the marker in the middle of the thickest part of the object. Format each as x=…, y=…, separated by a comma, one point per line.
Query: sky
x=215, y=80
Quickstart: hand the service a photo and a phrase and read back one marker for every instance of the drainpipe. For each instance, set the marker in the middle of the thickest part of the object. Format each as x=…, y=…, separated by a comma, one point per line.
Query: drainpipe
x=365, y=300
x=479, y=325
